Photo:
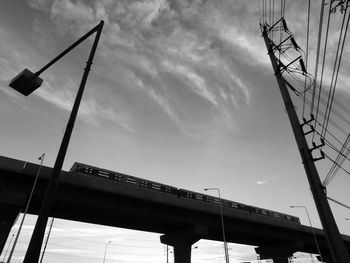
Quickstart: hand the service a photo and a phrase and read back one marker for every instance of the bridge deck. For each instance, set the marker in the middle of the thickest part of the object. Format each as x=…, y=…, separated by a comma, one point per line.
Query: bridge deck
x=97, y=200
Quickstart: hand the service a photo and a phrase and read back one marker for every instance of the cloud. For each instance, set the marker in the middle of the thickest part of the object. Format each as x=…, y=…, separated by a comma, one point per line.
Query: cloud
x=197, y=83
x=90, y=110
x=261, y=182
x=184, y=55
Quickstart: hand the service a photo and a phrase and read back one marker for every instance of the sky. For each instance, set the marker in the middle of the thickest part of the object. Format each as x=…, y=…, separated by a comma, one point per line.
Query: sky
x=181, y=92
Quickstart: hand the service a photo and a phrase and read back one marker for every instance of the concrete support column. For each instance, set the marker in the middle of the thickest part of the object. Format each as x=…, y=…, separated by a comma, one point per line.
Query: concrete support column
x=279, y=253
x=182, y=240
x=11, y=203
x=8, y=216
x=280, y=259
x=182, y=253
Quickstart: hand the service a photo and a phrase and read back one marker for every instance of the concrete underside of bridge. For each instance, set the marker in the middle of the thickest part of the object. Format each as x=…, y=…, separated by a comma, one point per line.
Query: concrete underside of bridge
x=105, y=209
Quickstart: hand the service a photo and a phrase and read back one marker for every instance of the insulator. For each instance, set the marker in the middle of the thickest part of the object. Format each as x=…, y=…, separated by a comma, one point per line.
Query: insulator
x=284, y=24
x=294, y=43
x=302, y=65
x=281, y=65
x=319, y=158
x=280, y=68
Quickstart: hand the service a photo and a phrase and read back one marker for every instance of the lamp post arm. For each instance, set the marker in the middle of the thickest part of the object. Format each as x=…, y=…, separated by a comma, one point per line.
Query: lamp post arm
x=76, y=43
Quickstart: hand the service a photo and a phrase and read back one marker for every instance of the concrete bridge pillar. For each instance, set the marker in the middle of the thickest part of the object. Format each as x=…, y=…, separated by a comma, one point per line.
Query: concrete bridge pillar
x=279, y=253
x=11, y=203
x=8, y=216
x=182, y=240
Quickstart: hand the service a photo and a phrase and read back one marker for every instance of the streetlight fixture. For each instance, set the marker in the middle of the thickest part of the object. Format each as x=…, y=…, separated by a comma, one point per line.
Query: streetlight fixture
x=227, y=259
x=104, y=257
x=313, y=233
x=41, y=158
x=26, y=82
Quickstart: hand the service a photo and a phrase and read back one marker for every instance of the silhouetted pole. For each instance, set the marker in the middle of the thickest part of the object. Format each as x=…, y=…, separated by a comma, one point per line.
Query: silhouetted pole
x=104, y=256
x=33, y=252
x=227, y=258
x=334, y=239
x=167, y=254
x=41, y=158
x=47, y=240
x=8, y=247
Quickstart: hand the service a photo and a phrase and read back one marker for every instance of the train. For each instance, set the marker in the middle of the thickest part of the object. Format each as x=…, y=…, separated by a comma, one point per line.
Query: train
x=85, y=169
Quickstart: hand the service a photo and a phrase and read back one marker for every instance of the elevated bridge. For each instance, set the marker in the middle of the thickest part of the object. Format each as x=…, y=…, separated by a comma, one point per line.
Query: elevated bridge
x=94, y=195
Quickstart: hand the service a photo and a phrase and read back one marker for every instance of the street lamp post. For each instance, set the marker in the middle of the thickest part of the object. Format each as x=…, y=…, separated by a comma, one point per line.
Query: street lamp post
x=8, y=247
x=227, y=259
x=104, y=257
x=41, y=158
x=313, y=233
x=25, y=83
x=47, y=240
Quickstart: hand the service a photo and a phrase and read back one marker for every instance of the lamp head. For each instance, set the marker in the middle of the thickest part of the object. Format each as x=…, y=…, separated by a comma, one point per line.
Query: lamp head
x=26, y=82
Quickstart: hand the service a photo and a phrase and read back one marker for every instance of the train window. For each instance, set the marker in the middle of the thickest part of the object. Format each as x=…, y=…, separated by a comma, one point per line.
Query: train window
x=199, y=197
x=130, y=180
x=234, y=205
x=155, y=187
x=103, y=174
x=144, y=184
x=242, y=206
x=277, y=215
x=117, y=177
x=263, y=212
x=207, y=199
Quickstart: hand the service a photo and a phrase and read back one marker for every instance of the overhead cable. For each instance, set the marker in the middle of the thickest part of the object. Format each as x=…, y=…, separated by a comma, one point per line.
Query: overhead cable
x=337, y=64
x=318, y=50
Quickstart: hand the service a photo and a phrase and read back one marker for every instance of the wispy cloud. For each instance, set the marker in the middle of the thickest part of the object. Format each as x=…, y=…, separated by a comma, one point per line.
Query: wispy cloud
x=90, y=110
x=166, y=45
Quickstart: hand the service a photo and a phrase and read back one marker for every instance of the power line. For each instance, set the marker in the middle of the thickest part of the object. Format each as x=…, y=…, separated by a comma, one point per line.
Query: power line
x=339, y=203
x=337, y=65
x=323, y=61
x=307, y=51
x=318, y=50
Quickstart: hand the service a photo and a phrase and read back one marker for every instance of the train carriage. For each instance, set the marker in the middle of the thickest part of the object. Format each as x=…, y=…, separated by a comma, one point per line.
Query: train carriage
x=180, y=193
